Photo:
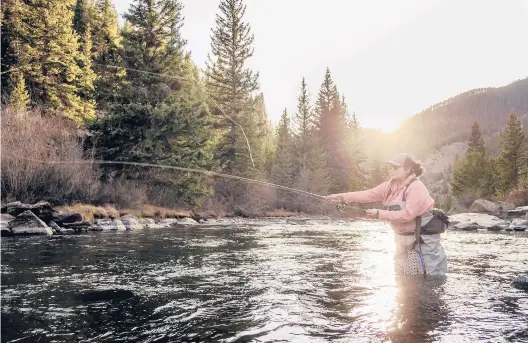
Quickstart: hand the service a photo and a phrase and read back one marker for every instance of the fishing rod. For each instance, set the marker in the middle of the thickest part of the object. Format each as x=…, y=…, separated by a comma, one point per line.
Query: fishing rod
x=341, y=206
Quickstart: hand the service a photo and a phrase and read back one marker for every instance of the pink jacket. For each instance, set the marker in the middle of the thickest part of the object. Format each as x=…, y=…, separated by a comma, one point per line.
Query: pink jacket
x=418, y=201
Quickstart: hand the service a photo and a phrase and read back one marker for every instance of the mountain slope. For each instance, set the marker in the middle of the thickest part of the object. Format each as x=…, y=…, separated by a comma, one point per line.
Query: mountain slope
x=450, y=121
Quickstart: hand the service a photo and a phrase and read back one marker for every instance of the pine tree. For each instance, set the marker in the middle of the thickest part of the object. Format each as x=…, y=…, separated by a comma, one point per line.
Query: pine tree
x=12, y=35
x=511, y=159
x=106, y=55
x=231, y=84
x=48, y=56
x=303, y=129
x=163, y=116
x=476, y=143
x=282, y=171
x=83, y=15
x=331, y=129
x=474, y=172
x=19, y=98
x=88, y=76
x=354, y=148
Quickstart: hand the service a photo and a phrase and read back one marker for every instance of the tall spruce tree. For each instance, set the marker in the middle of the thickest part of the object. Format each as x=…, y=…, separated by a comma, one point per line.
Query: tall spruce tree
x=106, y=55
x=231, y=85
x=282, y=171
x=512, y=158
x=163, y=116
x=303, y=129
x=331, y=125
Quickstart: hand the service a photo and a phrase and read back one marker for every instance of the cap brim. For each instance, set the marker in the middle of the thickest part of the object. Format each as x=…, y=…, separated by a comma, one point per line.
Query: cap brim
x=393, y=163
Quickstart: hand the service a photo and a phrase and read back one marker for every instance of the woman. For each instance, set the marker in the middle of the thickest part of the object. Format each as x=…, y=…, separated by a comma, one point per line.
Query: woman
x=404, y=199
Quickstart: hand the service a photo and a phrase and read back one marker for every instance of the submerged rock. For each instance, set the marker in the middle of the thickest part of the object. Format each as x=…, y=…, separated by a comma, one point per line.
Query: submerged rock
x=518, y=224
x=475, y=221
x=520, y=282
x=27, y=223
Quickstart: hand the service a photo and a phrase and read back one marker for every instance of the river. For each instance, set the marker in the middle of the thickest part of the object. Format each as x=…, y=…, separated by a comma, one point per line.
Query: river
x=271, y=282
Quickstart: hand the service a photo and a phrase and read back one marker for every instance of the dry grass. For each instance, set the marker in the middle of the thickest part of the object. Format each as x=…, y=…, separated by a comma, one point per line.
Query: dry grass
x=91, y=212
x=280, y=213
x=151, y=211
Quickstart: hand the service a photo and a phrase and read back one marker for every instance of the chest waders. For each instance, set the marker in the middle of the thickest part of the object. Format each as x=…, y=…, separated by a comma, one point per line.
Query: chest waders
x=414, y=261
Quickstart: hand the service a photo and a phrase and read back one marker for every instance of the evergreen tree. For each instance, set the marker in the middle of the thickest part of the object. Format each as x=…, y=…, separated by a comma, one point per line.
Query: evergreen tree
x=512, y=157
x=474, y=172
x=163, y=116
x=476, y=143
x=354, y=149
x=282, y=171
x=231, y=84
x=12, y=35
x=106, y=55
x=19, y=98
x=303, y=129
x=332, y=127
x=48, y=56
x=83, y=15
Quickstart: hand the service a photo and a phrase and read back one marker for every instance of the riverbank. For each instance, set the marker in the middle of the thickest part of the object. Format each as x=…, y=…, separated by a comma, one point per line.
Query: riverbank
x=19, y=219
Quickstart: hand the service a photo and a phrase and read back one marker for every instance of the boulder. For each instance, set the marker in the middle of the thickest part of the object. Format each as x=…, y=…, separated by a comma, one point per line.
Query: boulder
x=518, y=212
x=131, y=222
x=485, y=206
x=4, y=220
x=66, y=217
x=109, y=225
x=475, y=221
x=505, y=206
x=519, y=224
x=520, y=282
x=27, y=223
x=41, y=209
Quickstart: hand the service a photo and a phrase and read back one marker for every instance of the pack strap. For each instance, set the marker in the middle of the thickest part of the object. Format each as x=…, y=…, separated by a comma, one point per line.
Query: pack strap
x=404, y=198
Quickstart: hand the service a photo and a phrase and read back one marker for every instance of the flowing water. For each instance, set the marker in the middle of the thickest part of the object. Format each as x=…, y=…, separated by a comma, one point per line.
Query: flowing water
x=273, y=282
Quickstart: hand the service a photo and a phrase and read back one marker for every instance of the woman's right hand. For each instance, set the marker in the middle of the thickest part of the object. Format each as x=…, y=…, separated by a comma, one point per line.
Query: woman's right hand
x=335, y=198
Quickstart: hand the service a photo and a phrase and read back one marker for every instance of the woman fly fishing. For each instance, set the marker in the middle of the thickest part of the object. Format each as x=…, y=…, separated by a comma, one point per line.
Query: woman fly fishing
x=408, y=206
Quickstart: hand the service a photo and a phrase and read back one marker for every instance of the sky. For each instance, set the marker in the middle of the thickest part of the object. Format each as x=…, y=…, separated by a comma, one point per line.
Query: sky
x=391, y=59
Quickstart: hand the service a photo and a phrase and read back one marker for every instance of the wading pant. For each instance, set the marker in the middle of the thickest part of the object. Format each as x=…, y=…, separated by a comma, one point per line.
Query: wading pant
x=435, y=258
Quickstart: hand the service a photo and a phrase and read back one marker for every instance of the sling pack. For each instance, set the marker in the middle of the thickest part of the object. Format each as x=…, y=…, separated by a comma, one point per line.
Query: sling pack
x=438, y=223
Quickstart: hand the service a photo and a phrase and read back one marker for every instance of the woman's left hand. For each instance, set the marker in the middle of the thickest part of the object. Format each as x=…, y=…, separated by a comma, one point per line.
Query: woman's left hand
x=372, y=213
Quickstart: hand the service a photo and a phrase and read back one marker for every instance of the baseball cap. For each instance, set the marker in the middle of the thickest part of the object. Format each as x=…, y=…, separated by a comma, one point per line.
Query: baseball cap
x=399, y=159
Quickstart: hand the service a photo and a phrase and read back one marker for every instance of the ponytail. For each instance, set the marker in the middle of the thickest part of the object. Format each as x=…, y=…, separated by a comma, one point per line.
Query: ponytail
x=414, y=166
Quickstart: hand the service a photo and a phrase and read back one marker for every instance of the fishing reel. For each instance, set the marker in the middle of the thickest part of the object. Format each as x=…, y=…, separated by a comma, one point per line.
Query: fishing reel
x=341, y=206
